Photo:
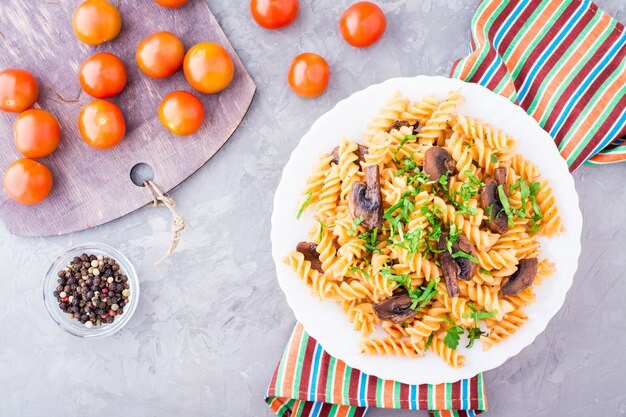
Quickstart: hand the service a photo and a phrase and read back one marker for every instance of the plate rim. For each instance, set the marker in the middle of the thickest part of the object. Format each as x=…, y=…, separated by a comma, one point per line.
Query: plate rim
x=576, y=224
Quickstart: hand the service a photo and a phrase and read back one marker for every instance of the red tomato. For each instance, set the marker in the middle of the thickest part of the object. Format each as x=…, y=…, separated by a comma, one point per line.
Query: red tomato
x=160, y=54
x=208, y=67
x=171, y=4
x=362, y=24
x=27, y=181
x=274, y=14
x=181, y=113
x=37, y=133
x=101, y=124
x=103, y=75
x=309, y=74
x=96, y=21
x=18, y=90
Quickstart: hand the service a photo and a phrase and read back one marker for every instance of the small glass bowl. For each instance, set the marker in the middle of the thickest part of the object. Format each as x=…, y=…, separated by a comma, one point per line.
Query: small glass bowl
x=72, y=325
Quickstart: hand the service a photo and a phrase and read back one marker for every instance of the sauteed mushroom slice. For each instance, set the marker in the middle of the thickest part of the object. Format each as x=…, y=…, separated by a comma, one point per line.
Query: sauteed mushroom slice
x=438, y=162
x=396, y=309
x=522, y=278
x=309, y=250
x=398, y=124
x=360, y=153
x=490, y=200
x=366, y=200
x=459, y=267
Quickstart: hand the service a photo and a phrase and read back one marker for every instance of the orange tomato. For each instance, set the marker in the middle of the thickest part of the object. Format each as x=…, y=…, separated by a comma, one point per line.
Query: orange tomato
x=274, y=14
x=362, y=24
x=309, y=74
x=101, y=124
x=160, y=54
x=18, y=90
x=37, y=133
x=181, y=113
x=27, y=181
x=96, y=21
x=171, y=4
x=103, y=75
x=208, y=67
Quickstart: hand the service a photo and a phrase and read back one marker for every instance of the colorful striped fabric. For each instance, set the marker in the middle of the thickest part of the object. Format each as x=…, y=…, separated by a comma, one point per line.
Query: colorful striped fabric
x=308, y=382
x=564, y=62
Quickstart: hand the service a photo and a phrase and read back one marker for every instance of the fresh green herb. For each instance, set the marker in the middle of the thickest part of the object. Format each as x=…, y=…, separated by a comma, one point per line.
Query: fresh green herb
x=473, y=178
x=534, y=190
x=362, y=271
x=429, y=341
x=404, y=141
x=304, y=205
x=484, y=271
x=371, y=240
x=474, y=333
x=534, y=227
x=355, y=225
x=461, y=254
x=505, y=204
x=490, y=212
x=453, y=334
x=479, y=315
x=402, y=279
x=494, y=159
x=422, y=296
x=524, y=195
x=404, y=324
x=413, y=240
x=322, y=227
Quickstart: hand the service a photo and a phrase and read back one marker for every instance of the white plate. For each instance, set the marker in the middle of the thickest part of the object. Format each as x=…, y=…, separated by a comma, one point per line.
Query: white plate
x=325, y=321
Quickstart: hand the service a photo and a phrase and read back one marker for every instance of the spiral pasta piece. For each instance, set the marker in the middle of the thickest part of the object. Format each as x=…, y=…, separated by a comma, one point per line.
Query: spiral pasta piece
x=349, y=171
x=420, y=111
x=434, y=130
x=502, y=330
x=391, y=346
x=311, y=277
x=450, y=356
x=390, y=112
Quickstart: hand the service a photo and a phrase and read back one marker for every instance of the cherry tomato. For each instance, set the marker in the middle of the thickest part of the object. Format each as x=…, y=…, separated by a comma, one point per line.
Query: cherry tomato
x=101, y=124
x=208, y=67
x=274, y=14
x=27, y=181
x=160, y=54
x=96, y=22
x=171, y=4
x=362, y=24
x=181, y=113
x=18, y=90
x=308, y=75
x=103, y=75
x=37, y=133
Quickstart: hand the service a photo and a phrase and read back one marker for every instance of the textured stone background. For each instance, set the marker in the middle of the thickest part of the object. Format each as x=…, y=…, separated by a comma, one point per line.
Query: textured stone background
x=211, y=322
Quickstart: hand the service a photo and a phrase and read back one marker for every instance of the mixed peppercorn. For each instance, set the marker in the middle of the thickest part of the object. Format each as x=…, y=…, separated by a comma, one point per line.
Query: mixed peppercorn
x=92, y=289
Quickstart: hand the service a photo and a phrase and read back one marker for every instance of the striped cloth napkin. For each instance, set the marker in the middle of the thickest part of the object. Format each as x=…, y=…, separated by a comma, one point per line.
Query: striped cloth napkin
x=564, y=62
x=308, y=382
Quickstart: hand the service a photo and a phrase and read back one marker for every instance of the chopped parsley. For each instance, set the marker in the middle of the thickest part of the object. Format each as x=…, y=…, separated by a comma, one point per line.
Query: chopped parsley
x=429, y=341
x=403, y=142
x=505, y=204
x=420, y=296
x=371, y=240
x=474, y=333
x=453, y=335
x=355, y=225
x=362, y=271
x=322, y=227
x=484, y=271
x=304, y=205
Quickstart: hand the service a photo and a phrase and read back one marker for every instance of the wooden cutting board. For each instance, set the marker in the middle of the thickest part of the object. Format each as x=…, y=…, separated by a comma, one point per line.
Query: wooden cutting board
x=93, y=187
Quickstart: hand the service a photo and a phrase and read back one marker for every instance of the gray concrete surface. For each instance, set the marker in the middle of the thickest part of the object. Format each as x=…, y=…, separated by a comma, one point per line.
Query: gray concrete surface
x=212, y=322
